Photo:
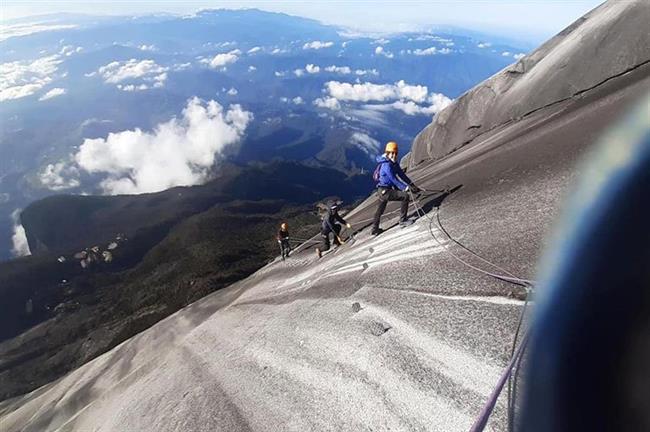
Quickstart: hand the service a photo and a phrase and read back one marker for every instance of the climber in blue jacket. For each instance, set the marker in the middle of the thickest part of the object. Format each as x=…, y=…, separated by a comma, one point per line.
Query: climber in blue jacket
x=392, y=185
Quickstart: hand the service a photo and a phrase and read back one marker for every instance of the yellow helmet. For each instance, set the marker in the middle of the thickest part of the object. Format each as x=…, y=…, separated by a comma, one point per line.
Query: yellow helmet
x=391, y=146
x=283, y=226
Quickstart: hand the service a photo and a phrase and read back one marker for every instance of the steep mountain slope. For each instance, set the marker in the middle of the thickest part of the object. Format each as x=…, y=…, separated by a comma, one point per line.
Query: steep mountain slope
x=285, y=349
x=178, y=246
x=607, y=42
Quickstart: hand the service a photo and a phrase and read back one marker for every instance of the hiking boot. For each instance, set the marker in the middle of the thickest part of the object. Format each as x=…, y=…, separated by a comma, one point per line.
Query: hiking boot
x=406, y=222
x=377, y=231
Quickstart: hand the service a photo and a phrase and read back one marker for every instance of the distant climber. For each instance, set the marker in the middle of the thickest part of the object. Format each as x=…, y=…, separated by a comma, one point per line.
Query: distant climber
x=392, y=185
x=283, y=240
x=330, y=225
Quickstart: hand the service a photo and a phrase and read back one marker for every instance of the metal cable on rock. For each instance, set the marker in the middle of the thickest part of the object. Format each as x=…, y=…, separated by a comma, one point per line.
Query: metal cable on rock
x=516, y=354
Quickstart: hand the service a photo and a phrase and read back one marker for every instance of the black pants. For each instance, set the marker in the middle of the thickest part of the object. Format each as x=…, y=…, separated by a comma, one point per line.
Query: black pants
x=284, y=245
x=325, y=233
x=385, y=195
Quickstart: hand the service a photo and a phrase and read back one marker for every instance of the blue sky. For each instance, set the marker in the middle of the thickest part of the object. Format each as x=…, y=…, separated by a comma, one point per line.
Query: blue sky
x=527, y=19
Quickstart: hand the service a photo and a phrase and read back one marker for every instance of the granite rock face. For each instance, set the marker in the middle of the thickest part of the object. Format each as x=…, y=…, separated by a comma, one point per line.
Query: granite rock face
x=429, y=336
x=603, y=44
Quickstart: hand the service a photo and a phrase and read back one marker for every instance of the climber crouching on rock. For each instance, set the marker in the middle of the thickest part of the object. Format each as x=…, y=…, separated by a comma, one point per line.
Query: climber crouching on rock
x=392, y=185
x=330, y=225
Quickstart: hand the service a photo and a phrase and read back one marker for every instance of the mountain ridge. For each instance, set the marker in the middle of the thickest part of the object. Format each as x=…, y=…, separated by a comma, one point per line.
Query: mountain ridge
x=543, y=77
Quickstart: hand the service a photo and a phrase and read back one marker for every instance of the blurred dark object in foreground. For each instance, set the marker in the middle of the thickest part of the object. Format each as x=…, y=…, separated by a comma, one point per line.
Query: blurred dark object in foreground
x=589, y=359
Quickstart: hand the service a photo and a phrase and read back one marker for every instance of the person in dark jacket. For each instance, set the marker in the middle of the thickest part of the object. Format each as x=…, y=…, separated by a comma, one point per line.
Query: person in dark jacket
x=331, y=225
x=283, y=240
x=392, y=185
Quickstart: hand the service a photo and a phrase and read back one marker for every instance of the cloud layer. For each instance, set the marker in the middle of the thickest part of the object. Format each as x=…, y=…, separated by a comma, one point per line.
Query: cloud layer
x=19, y=238
x=365, y=92
x=59, y=176
x=367, y=144
x=317, y=45
x=407, y=98
x=149, y=71
x=57, y=91
x=24, y=78
x=221, y=60
x=179, y=152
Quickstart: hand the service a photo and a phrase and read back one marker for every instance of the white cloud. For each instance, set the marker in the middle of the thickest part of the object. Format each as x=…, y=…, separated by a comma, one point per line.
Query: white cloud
x=362, y=72
x=297, y=100
x=484, y=45
x=381, y=41
x=519, y=56
x=506, y=53
x=279, y=51
x=381, y=51
x=181, y=66
x=144, y=47
x=424, y=52
x=24, y=78
x=18, y=92
x=254, y=50
x=57, y=91
x=177, y=152
x=233, y=91
x=427, y=51
x=93, y=120
x=339, y=69
x=19, y=238
x=68, y=50
x=132, y=87
x=317, y=45
x=252, y=68
x=221, y=60
x=369, y=117
x=15, y=30
x=360, y=92
x=411, y=108
x=59, y=176
x=312, y=69
x=299, y=72
x=410, y=99
x=376, y=92
x=365, y=142
x=328, y=102
x=437, y=102
x=116, y=72
x=279, y=74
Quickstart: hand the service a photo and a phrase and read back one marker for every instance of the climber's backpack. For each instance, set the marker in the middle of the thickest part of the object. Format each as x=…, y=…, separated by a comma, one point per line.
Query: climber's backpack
x=375, y=175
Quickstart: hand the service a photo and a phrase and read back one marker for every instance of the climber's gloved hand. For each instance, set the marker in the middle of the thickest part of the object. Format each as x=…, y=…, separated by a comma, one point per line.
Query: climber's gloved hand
x=348, y=225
